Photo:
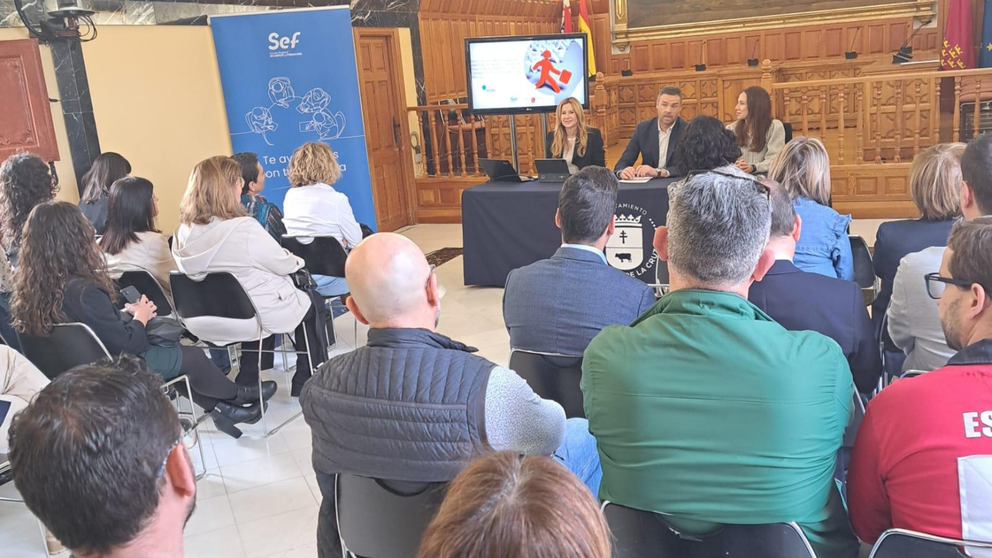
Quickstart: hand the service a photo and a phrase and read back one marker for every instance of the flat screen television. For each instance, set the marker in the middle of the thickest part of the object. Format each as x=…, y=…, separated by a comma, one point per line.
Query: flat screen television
x=531, y=74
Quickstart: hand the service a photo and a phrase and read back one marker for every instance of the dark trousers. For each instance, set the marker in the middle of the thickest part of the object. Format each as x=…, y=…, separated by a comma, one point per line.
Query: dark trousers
x=249, y=353
x=328, y=537
x=208, y=383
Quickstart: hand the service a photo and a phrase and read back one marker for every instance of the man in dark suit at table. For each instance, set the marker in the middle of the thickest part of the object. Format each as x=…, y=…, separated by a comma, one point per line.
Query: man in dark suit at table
x=654, y=140
x=802, y=301
x=558, y=305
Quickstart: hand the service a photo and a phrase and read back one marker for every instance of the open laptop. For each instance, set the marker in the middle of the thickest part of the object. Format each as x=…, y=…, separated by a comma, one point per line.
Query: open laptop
x=552, y=170
x=500, y=170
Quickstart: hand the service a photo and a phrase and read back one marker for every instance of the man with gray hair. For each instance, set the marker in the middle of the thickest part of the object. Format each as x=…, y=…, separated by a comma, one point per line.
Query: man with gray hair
x=705, y=408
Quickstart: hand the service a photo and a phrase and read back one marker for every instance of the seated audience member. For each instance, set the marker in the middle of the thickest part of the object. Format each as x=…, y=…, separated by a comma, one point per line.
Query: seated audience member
x=706, y=145
x=759, y=136
x=20, y=381
x=803, y=168
x=914, y=324
x=558, y=305
x=506, y=505
x=106, y=169
x=216, y=235
x=98, y=457
x=654, y=140
x=579, y=145
x=803, y=301
x=705, y=408
x=915, y=465
x=25, y=181
x=935, y=183
x=267, y=214
x=131, y=241
x=414, y=405
x=63, y=278
x=314, y=208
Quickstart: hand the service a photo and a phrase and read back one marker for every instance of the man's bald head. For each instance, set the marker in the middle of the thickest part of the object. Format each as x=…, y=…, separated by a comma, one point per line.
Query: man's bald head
x=391, y=283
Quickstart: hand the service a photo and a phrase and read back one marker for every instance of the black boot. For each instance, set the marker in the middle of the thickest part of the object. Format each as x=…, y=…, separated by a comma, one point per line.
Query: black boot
x=249, y=394
x=226, y=416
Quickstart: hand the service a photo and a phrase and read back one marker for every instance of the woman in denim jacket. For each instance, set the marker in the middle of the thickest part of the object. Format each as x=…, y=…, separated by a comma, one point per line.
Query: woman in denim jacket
x=803, y=168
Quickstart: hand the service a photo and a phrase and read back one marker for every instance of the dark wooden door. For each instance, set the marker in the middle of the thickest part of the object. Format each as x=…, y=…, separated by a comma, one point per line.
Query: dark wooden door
x=25, y=116
x=385, y=126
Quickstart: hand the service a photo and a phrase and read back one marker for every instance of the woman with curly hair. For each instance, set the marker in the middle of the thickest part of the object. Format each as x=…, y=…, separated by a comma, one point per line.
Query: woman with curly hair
x=314, y=208
x=759, y=136
x=25, y=181
x=705, y=145
x=106, y=169
x=63, y=278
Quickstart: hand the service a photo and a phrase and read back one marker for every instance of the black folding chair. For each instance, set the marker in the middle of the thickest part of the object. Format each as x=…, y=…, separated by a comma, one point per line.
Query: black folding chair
x=554, y=377
x=147, y=285
x=902, y=543
x=218, y=311
x=864, y=272
x=323, y=255
x=850, y=435
x=74, y=344
x=661, y=280
x=67, y=346
x=642, y=534
x=384, y=519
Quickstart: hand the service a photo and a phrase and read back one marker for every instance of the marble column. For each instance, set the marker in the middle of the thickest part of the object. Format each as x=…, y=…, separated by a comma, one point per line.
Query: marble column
x=77, y=106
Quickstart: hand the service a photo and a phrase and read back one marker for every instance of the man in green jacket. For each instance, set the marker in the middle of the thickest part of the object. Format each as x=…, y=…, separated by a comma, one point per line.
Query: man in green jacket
x=705, y=408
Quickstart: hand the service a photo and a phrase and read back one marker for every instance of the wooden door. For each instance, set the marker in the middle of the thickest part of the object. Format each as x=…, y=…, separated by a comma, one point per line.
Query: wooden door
x=26, y=116
x=386, y=133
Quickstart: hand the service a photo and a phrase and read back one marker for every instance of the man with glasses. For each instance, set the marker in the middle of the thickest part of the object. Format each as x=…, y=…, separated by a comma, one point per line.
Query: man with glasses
x=912, y=315
x=414, y=405
x=98, y=458
x=705, y=408
x=923, y=456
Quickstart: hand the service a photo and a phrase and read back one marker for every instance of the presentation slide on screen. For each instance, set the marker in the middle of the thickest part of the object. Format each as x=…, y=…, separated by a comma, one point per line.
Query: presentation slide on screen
x=517, y=75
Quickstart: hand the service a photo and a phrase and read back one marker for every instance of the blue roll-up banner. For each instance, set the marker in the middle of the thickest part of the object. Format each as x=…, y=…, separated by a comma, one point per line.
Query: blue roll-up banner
x=290, y=77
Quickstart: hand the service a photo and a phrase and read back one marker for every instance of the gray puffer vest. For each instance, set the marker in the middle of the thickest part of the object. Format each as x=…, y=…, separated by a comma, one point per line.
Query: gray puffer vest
x=408, y=406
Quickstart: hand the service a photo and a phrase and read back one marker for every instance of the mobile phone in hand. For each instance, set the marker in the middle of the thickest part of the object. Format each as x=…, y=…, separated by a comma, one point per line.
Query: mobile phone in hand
x=131, y=294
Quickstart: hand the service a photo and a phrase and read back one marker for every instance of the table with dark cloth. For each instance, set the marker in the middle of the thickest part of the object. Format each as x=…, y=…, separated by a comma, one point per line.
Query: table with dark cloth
x=506, y=225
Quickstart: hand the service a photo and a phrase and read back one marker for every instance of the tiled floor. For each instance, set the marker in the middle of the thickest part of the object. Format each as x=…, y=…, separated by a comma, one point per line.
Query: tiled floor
x=259, y=498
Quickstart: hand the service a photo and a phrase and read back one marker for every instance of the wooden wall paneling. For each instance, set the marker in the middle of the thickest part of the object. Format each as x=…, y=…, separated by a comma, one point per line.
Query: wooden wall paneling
x=26, y=119
x=601, y=41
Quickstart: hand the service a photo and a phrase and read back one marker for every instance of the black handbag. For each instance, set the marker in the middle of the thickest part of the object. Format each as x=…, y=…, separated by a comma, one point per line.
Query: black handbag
x=163, y=331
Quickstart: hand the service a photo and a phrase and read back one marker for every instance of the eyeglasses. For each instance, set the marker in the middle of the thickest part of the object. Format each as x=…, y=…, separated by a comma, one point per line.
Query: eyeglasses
x=759, y=187
x=161, y=468
x=935, y=284
x=428, y=281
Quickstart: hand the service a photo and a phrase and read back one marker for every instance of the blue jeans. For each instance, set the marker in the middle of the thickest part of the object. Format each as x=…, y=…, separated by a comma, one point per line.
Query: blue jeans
x=329, y=286
x=579, y=455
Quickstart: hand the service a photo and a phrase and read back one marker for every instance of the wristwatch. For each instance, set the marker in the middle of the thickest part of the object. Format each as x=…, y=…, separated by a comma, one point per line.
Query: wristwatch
x=663, y=173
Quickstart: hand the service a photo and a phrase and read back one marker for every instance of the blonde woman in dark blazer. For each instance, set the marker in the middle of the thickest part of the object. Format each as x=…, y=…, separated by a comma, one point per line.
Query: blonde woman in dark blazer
x=579, y=145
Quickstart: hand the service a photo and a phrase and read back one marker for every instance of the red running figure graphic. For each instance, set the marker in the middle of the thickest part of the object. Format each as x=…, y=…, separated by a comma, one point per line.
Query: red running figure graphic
x=547, y=67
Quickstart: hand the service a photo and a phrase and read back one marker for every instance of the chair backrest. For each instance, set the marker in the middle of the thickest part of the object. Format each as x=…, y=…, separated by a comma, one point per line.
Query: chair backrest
x=67, y=346
x=788, y=131
x=323, y=256
x=384, y=519
x=216, y=308
x=554, y=377
x=642, y=534
x=864, y=273
x=902, y=543
x=147, y=285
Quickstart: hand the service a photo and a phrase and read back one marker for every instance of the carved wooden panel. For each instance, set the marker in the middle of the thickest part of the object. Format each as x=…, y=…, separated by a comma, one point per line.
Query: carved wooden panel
x=786, y=44
x=25, y=116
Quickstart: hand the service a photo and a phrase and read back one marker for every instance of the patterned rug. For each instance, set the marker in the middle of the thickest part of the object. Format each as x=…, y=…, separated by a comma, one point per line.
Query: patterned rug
x=442, y=256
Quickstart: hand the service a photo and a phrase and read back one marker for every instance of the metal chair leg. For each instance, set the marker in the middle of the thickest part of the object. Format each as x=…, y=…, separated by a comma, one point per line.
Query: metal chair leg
x=196, y=420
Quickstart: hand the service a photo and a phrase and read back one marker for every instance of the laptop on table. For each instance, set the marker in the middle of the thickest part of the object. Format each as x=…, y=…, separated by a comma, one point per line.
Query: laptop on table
x=552, y=170
x=500, y=170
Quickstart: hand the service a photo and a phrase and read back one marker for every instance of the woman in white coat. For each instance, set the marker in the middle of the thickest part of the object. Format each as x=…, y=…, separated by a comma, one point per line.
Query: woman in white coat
x=215, y=234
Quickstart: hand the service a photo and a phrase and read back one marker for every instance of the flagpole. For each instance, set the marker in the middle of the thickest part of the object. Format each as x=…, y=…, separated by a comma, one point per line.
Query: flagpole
x=513, y=142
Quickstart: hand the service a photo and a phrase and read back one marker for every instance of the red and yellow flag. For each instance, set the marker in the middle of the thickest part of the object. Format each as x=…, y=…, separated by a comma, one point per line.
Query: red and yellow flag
x=958, y=50
x=566, y=17
x=586, y=27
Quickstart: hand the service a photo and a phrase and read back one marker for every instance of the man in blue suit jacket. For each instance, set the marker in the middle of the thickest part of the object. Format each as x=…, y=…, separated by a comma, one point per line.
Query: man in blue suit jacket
x=802, y=301
x=558, y=305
